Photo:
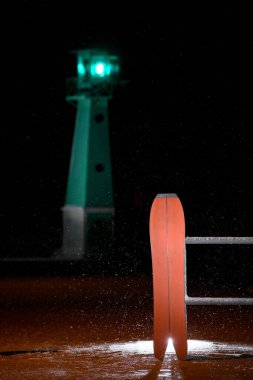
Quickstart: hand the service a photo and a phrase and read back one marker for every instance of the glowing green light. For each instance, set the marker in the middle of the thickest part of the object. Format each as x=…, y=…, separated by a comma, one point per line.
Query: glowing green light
x=100, y=69
x=96, y=68
x=81, y=68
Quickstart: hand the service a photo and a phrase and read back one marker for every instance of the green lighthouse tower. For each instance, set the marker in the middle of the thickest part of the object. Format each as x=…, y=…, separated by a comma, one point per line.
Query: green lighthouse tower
x=89, y=209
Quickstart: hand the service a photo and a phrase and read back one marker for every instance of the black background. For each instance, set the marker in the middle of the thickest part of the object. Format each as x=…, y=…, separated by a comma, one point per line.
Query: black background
x=181, y=123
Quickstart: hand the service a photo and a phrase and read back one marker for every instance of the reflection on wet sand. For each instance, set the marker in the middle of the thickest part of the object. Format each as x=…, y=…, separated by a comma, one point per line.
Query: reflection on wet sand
x=135, y=360
x=101, y=328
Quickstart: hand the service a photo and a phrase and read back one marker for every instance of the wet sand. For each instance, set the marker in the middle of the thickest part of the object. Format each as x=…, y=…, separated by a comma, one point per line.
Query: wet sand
x=101, y=328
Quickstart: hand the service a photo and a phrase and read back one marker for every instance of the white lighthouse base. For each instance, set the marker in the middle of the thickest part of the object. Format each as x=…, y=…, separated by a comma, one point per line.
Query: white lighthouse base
x=86, y=231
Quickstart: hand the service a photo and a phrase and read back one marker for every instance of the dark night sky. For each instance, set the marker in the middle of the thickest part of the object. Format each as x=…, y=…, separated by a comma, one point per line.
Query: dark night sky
x=181, y=124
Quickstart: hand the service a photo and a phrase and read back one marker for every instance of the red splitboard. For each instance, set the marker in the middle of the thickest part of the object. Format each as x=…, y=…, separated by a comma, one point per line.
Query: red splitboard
x=158, y=240
x=167, y=237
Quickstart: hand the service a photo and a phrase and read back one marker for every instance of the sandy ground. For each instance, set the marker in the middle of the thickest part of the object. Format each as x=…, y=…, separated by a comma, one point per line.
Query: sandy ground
x=101, y=328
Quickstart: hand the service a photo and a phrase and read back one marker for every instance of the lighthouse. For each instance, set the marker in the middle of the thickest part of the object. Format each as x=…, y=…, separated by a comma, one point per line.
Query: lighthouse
x=88, y=212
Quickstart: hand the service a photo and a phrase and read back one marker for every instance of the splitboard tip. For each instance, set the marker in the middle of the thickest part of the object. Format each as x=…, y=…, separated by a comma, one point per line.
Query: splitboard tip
x=169, y=195
x=159, y=355
x=182, y=357
x=160, y=347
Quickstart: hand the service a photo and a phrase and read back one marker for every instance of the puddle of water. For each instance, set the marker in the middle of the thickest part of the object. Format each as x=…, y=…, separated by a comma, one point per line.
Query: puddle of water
x=145, y=347
x=134, y=360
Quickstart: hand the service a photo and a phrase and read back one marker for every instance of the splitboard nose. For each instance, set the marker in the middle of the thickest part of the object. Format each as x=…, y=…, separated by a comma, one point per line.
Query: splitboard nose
x=167, y=239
